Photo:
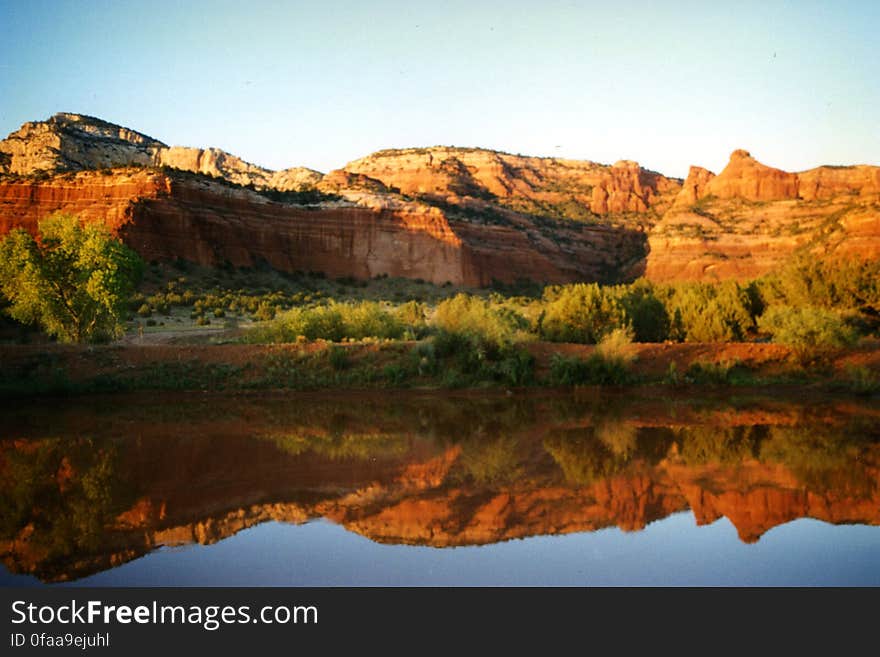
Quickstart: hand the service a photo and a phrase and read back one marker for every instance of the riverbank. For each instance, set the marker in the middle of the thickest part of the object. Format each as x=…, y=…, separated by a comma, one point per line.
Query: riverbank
x=318, y=365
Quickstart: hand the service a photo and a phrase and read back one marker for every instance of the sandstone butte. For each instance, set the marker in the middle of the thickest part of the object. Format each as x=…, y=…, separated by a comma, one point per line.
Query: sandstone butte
x=463, y=215
x=410, y=496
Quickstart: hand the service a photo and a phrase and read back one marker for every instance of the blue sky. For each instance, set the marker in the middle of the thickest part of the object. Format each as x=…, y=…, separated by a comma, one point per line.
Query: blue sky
x=321, y=83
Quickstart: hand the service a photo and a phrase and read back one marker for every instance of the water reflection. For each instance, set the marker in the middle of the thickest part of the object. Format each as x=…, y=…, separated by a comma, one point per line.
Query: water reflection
x=88, y=486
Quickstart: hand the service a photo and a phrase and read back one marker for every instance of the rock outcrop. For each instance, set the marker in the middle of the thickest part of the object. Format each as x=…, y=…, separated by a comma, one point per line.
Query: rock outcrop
x=531, y=184
x=750, y=219
x=746, y=178
x=74, y=142
x=694, y=187
x=220, y=164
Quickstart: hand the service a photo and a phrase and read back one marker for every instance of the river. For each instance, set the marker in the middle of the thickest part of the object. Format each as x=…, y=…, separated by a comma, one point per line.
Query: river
x=651, y=487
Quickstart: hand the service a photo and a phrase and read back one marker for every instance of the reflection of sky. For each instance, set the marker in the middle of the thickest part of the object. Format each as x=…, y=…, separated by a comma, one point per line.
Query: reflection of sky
x=669, y=552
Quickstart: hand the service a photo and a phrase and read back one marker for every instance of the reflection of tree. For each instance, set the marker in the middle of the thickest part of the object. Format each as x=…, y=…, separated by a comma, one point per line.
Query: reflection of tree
x=824, y=458
x=492, y=461
x=585, y=458
x=340, y=446
x=621, y=438
x=63, y=492
x=701, y=444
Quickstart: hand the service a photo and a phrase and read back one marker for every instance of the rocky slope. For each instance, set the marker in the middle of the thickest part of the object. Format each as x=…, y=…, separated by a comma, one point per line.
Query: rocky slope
x=550, y=186
x=168, y=216
x=73, y=142
x=751, y=218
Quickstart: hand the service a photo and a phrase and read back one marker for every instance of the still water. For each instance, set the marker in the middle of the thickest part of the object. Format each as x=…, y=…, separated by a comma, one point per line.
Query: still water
x=571, y=489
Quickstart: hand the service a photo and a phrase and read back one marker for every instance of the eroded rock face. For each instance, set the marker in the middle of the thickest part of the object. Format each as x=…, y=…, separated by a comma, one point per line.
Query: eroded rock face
x=469, y=172
x=166, y=216
x=463, y=215
x=744, y=177
x=74, y=142
x=829, y=182
x=220, y=164
x=694, y=187
x=751, y=218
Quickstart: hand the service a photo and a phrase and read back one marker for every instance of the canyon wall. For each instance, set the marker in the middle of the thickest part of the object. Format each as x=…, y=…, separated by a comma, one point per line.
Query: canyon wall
x=750, y=219
x=464, y=215
x=165, y=216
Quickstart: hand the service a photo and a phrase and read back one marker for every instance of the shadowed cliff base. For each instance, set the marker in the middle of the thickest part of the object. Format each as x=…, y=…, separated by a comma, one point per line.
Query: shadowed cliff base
x=91, y=486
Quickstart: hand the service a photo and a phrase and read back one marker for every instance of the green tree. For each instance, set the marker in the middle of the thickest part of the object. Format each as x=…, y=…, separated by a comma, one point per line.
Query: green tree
x=74, y=279
x=583, y=312
x=813, y=334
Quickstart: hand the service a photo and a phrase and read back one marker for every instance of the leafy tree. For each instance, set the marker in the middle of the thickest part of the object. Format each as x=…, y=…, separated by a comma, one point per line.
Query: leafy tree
x=75, y=279
x=811, y=333
x=583, y=312
x=491, y=327
x=707, y=312
x=647, y=314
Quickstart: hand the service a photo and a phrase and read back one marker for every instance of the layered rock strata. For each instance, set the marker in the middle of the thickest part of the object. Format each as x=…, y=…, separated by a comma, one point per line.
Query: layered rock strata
x=167, y=216
x=464, y=215
x=750, y=219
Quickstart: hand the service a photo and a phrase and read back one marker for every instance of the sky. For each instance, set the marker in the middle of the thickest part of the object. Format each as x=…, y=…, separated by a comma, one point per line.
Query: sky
x=321, y=83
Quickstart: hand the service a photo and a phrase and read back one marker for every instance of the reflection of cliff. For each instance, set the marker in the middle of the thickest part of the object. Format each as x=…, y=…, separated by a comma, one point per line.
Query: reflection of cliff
x=429, y=472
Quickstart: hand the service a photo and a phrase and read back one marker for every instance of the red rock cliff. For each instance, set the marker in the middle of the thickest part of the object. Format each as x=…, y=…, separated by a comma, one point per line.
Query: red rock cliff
x=751, y=218
x=527, y=183
x=164, y=217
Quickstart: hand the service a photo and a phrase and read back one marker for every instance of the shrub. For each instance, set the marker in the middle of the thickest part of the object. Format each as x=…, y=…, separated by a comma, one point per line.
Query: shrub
x=860, y=380
x=334, y=322
x=467, y=351
x=264, y=312
x=424, y=359
x=486, y=327
x=595, y=370
x=580, y=313
x=706, y=312
x=646, y=312
x=725, y=373
x=516, y=367
x=617, y=347
x=813, y=334
x=413, y=316
x=339, y=358
x=394, y=374
x=828, y=283
x=369, y=319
